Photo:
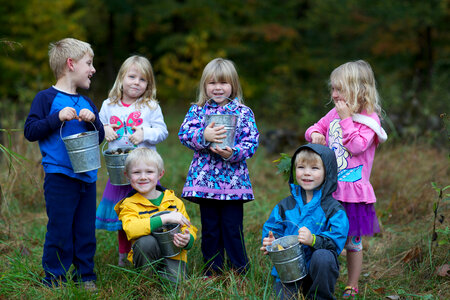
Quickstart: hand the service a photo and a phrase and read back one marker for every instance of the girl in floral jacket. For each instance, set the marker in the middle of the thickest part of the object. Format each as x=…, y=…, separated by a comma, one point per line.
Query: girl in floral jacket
x=218, y=178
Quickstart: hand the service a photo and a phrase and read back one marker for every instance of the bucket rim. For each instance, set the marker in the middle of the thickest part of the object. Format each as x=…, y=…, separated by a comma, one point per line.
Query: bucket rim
x=222, y=115
x=283, y=237
x=230, y=118
x=73, y=135
x=159, y=232
x=123, y=148
x=77, y=135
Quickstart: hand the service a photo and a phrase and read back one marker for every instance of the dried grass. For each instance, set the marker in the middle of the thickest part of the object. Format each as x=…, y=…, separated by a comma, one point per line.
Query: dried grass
x=399, y=261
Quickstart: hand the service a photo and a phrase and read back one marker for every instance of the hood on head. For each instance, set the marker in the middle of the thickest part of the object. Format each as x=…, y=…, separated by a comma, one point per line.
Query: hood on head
x=329, y=162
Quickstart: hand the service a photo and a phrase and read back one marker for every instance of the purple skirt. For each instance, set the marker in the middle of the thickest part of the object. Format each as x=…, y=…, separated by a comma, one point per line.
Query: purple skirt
x=362, y=218
x=106, y=216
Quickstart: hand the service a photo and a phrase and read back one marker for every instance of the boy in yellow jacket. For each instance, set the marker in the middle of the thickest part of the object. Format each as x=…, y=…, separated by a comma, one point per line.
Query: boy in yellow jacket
x=144, y=168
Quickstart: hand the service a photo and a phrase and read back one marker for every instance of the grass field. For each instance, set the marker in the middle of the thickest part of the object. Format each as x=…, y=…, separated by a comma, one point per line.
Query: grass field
x=401, y=262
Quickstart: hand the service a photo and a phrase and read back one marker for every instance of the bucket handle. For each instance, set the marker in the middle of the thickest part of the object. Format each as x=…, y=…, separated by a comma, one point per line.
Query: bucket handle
x=103, y=147
x=62, y=124
x=225, y=98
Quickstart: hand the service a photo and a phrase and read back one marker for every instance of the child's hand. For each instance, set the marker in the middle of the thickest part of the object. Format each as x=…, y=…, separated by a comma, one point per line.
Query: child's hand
x=318, y=138
x=342, y=109
x=181, y=239
x=214, y=134
x=175, y=217
x=225, y=153
x=110, y=134
x=67, y=114
x=304, y=236
x=86, y=115
x=267, y=241
x=138, y=136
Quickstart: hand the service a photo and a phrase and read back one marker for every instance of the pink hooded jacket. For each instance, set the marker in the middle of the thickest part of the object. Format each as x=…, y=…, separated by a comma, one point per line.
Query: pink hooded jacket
x=354, y=141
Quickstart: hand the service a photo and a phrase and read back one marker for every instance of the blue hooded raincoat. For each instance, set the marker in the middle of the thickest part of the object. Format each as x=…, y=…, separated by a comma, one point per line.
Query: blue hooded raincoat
x=323, y=215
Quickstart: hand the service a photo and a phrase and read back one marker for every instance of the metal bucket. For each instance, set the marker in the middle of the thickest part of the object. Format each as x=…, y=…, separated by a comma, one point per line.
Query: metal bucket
x=83, y=150
x=229, y=121
x=164, y=236
x=115, y=164
x=289, y=262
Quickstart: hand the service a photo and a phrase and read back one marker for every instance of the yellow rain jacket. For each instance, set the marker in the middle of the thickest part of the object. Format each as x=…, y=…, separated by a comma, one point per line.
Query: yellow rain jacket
x=135, y=213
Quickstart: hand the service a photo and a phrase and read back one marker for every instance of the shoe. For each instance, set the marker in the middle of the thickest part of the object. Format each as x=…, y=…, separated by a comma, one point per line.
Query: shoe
x=123, y=261
x=90, y=286
x=349, y=292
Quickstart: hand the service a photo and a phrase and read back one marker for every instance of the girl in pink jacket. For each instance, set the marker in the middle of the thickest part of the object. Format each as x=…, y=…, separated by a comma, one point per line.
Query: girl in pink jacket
x=353, y=130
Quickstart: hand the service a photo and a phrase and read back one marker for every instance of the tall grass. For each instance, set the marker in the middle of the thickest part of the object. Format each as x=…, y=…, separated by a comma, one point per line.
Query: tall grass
x=399, y=261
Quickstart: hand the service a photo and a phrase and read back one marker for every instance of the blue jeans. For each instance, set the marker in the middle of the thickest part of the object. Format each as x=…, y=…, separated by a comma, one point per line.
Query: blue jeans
x=70, y=237
x=320, y=281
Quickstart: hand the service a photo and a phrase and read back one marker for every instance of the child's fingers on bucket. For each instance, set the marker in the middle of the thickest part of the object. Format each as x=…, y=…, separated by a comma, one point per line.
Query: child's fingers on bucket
x=219, y=139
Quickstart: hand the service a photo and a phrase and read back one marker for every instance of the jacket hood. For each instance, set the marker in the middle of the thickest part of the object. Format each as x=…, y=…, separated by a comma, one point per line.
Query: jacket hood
x=329, y=161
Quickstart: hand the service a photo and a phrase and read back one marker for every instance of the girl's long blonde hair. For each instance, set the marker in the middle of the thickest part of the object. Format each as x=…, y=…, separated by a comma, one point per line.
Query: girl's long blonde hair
x=219, y=69
x=356, y=83
x=145, y=68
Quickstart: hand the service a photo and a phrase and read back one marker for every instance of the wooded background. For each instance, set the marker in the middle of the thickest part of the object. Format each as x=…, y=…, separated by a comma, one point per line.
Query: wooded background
x=284, y=51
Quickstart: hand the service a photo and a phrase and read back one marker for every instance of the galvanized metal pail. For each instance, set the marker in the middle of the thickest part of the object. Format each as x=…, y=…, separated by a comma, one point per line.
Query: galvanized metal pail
x=83, y=150
x=164, y=236
x=289, y=262
x=115, y=164
x=229, y=121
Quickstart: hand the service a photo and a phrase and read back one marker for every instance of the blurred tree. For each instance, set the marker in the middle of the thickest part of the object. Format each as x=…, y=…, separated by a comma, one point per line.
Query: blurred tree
x=111, y=25
x=284, y=50
x=404, y=42
x=180, y=32
x=32, y=25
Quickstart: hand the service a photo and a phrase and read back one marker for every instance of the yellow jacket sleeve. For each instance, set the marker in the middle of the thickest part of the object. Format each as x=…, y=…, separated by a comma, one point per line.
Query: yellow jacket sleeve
x=132, y=223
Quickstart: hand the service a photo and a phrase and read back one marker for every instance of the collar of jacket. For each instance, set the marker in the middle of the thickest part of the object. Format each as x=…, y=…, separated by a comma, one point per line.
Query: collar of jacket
x=169, y=196
x=230, y=106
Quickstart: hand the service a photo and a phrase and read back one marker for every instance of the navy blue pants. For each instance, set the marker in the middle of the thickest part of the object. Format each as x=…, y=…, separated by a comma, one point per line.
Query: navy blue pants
x=222, y=230
x=320, y=281
x=70, y=237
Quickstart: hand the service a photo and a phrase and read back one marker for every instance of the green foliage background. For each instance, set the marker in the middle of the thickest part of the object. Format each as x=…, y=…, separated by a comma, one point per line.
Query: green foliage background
x=284, y=51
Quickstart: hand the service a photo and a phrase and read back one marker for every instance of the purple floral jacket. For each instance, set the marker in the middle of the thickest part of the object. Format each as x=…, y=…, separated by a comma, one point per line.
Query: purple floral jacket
x=210, y=176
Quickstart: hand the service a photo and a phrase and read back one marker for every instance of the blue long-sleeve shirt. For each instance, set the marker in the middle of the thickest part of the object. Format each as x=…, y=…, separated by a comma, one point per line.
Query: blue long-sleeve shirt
x=43, y=125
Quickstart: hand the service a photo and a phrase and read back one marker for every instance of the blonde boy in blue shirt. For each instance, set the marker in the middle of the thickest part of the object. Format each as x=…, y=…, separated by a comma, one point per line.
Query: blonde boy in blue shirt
x=70, y=197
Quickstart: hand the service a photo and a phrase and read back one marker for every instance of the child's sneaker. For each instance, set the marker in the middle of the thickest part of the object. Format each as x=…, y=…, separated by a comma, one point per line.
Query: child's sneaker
x=90, y=286
x=350, y=292
x=122, y=259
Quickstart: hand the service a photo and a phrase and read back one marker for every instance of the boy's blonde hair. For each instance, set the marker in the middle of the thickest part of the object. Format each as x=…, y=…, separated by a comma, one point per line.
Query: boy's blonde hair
x=145, y=156
x=356, y=82
x=219, y=69
x=145, y=68
x=66, y=48
x=308, y=156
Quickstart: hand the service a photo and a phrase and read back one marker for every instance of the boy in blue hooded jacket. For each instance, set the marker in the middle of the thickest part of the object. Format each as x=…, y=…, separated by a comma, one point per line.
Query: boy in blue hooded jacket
x=316, y=217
